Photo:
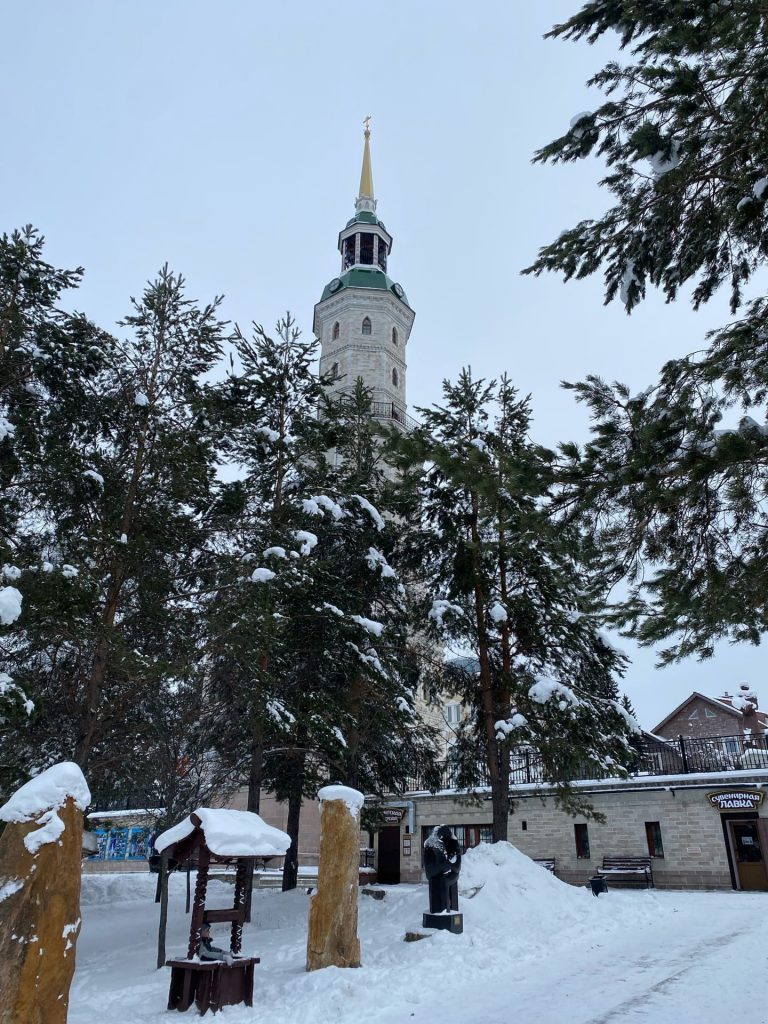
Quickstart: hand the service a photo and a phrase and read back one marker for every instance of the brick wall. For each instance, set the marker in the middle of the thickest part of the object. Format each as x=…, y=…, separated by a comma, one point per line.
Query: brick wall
x=709, y=721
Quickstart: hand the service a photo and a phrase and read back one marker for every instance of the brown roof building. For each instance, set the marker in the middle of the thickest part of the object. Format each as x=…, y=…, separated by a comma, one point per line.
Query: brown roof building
x=700, y=716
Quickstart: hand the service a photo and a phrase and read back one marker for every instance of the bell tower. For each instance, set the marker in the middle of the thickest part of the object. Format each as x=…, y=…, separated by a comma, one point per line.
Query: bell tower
x=363, y=320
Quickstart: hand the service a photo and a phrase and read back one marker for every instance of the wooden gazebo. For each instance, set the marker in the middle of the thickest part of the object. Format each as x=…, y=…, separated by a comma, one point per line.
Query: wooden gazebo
x=213, y=835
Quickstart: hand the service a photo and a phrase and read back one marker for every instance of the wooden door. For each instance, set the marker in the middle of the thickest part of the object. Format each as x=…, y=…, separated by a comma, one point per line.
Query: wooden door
x=748, y=855
x=388, y=867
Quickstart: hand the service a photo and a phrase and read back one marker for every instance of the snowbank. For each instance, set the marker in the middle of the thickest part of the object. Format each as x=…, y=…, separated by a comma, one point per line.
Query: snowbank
x=230, y=834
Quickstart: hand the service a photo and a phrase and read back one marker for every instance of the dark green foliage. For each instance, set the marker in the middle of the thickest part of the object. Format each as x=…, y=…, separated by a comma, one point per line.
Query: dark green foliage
x=500, y=579
x=673, y=480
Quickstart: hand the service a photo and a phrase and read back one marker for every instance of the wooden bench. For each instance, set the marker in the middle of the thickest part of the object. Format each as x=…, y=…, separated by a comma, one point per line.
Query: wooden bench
x=627, y=870
x=545, y=862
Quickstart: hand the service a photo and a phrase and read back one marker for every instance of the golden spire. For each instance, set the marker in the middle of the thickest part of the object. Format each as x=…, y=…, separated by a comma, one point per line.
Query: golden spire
x=366, y=174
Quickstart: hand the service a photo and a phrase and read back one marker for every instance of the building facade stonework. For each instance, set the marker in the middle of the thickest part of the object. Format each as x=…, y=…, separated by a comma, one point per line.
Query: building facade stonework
x=697, y=847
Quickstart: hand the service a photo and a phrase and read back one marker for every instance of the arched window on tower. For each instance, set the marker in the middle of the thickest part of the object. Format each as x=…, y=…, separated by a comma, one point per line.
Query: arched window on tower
x=335, y=330
x=366, y=325
x=382, y=257
x=395, y=377
x=334, y=371
x=394, y=335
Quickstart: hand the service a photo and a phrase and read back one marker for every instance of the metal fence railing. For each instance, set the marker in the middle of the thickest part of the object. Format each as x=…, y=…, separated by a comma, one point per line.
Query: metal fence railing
x=654, y=756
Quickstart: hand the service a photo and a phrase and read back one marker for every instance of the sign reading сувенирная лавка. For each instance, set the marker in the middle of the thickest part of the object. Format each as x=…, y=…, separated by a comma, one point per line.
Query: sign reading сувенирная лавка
x=736, y=799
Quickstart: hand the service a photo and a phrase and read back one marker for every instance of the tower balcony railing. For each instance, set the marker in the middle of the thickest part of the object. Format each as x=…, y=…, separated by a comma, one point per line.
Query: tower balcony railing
x=390, y=411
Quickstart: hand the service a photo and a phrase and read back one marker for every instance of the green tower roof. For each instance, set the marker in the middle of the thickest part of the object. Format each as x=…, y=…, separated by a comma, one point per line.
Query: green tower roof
x=364, y=277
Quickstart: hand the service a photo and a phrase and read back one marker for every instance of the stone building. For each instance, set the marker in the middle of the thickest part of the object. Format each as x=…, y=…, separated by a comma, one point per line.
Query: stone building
x=700, y=831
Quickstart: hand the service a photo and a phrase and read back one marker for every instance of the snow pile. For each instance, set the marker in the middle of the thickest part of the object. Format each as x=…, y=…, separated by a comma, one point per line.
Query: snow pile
x=378, y=522
x=351, y=797
x=262, y=575
x=41, y=797
x=307, y=540
x=230, y=833
x=46, y=792
x=10, y=605
x=439, y=609
x=498, y=612
x=506, y=883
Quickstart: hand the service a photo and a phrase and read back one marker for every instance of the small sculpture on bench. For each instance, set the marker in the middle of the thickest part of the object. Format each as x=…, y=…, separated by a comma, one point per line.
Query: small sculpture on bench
x=442, y=866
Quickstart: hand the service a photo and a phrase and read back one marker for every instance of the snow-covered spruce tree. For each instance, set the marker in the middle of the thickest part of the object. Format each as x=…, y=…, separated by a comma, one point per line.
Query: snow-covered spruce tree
x=122, y=493
x=273, y=434
x=505, y=584
x=308, y=615
x=677, y=504
x=48, y=362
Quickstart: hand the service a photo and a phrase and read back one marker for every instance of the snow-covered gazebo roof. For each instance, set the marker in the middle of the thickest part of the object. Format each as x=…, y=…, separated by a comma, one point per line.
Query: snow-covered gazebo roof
x=226, y=833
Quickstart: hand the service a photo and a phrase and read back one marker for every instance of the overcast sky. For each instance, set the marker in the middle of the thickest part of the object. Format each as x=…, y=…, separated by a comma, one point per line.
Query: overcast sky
x=225, y=138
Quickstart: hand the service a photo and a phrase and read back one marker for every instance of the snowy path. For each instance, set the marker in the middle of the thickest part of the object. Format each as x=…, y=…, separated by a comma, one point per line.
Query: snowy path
x=534, y=950
x=707, y=964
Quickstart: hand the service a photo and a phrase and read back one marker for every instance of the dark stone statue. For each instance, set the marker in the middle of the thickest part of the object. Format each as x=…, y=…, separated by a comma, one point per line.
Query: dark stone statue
x=442, y=865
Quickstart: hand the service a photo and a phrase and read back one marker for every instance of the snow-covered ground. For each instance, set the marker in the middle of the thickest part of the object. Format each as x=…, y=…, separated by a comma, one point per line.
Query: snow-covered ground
x=533, y=950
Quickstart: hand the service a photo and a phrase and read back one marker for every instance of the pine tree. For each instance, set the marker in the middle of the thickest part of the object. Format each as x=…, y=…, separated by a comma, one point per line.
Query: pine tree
x=677, y=503
x=108, y=553
x=49, y=360
x=309, y=619
x=503, y=582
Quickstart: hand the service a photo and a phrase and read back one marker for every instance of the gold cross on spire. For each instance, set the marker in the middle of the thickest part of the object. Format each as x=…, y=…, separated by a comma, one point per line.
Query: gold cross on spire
x=367, y=123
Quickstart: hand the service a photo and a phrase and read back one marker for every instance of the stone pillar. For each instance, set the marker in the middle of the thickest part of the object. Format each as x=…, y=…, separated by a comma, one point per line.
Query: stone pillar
x=332, y=939
x=40, y=852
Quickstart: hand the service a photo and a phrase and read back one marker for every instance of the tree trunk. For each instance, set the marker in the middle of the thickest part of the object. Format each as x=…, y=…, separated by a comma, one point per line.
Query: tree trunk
x=163, y=880
x=500, y=797
x=255, y=775
x=291, y=862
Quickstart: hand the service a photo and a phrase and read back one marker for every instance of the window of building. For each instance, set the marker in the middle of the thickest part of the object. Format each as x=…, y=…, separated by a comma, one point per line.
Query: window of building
x=366, y=326
x=394, y=335
x=395, y=378
x=349, y=251
x=366, y=248
x=709, y=713
x=731, y=746
x=335, y=371
x=693, y=715
x=382, y=256
x=336, y=330
x=653, y=835
x=452, y=712
x=467, y=835
x=581, y=834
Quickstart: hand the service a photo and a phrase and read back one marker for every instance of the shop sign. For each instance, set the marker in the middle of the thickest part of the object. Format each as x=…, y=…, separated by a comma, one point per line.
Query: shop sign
x=392, y=815
x=736, y=799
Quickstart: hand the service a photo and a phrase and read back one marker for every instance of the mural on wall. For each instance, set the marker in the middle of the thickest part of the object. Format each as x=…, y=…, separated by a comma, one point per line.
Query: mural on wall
x=122, y=843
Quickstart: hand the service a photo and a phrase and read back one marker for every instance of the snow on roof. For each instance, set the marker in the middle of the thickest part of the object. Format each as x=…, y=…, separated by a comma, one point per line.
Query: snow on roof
x=47, y=792
x=139, y=812
x=351, y=797
x=229, y=833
